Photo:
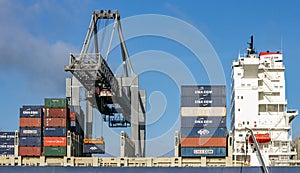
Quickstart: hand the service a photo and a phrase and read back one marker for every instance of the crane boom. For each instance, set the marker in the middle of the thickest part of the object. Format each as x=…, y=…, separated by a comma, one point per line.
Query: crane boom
x=95, y=75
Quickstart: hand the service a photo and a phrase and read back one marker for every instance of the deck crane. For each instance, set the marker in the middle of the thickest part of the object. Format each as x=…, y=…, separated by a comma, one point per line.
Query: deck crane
x=112, y=96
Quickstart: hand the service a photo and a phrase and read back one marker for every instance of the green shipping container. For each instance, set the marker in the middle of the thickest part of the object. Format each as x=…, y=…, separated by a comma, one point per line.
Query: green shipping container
x=56, y=103
x=55, y=151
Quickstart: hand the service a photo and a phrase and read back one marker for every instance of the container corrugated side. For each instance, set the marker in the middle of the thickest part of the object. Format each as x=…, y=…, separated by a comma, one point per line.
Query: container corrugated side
x=55, y=122
x=31, y=112
x=203, y=132
x=203, y=152
x=204, y=121
x=55, y=131
x=30, y=122
x=202, y=111
x=30, y=141
x=56, y=103
x=56, y=112
x=30, y=151
x=55, y=151
x=204, y=142
x=30, y=131
x=7, y=141
x=203, y=90
x=7, y=134
x=55, y=141
x=194, y=101
x=5, y=146
x=94, y=148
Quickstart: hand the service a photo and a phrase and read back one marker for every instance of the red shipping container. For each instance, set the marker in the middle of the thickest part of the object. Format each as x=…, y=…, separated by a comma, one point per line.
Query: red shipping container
x=30, y=122
x=55, y=122
x=55, y=112
x=73, y=116
x=30, y=151
x=204, y=142
x=55, y=141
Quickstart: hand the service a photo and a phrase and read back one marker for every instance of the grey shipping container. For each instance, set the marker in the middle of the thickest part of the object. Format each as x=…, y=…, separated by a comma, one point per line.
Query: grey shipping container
x=203, y=90
x=30, y=141
x=203, y=132
x=94, y=148
x=30, y=131
x=203, y=152
x=195, y=101
x=203, y=121
x=55, y=131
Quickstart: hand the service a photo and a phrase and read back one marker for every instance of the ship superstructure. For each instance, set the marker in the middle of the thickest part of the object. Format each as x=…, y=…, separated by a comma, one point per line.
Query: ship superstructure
x=258, y=101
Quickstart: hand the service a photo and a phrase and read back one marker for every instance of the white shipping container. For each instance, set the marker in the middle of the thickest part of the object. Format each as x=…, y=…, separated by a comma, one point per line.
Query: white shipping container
x=202, y=111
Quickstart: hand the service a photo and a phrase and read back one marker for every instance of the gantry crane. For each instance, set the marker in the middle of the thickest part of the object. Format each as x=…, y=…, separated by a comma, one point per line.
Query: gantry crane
x=118, y=99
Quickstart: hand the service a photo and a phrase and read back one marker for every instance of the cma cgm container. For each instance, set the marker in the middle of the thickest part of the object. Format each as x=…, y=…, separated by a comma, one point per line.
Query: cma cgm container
x=55, y=103
x=56, y=112
x=203, y=90
x=30, y=131
x=203, y=132
x=195, y=101
x=204, y=142
x=202, y=111
x=7, y=140
x=31, y=112
x=30, y=122
x=203, y=152
x=204, y=121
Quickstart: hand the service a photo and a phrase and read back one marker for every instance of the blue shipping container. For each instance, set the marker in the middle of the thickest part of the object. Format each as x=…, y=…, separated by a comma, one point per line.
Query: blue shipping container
x=7, y=149
x=7, y=140
x=4, y=135
x=30, y=141
x=6, y=146
x=55, y=131
x=31, y=112
x=204, y=121
x=7, y=153
x=203, y=152
x=30, y=131
x=203, y=132
x=195, y=101
x=94, y=148
x=203, y=90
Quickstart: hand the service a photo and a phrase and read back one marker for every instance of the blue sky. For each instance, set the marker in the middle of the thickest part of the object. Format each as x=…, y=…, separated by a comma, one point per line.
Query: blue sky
x=37, y=37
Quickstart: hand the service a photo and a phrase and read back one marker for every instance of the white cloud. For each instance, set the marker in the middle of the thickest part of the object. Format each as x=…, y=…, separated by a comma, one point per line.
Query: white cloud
x=39, y=61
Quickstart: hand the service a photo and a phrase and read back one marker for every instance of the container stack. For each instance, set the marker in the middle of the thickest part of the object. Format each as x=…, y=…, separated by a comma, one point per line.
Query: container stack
x=77, y=131
x=7, y=140
x=203, y=121
x=56, y=123
x=30, y=136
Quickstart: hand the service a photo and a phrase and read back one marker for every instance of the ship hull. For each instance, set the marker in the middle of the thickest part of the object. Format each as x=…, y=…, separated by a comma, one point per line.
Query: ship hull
x=36, y=169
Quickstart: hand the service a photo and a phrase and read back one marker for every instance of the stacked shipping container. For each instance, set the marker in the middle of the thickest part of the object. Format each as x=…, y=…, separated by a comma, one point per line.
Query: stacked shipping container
x=30, y=133
x=56, y=121
x=203, y=121
x=44, y=130
x=7, y=143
